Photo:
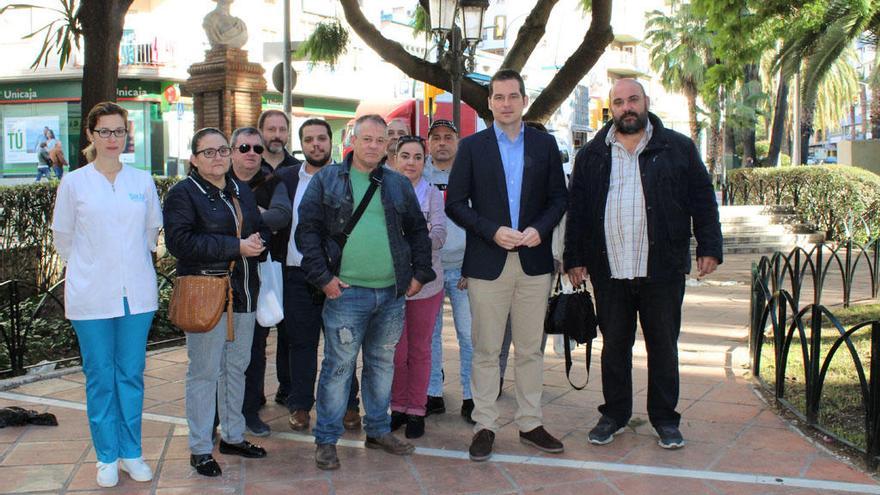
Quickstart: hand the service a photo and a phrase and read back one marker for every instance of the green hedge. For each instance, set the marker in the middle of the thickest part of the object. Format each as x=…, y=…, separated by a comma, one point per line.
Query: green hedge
x=842, y=201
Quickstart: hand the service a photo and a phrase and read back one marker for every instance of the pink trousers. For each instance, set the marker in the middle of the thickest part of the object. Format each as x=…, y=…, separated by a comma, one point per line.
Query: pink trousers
x=412, y=359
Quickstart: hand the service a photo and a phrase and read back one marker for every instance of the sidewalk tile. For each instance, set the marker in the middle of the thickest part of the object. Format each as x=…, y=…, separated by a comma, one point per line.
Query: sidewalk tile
x=828, y=468
x=658, y=485
x=721, y=412
x=34, y=478
x=371, y=483
x=310, y=487
x=37, y=453
x=533, y=477
x=759, y=438
x=460, y=476
x=762, y=462
x=597, y=487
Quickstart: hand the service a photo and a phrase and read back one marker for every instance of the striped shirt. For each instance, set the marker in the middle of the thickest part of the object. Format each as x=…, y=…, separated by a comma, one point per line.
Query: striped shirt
x=626, y=225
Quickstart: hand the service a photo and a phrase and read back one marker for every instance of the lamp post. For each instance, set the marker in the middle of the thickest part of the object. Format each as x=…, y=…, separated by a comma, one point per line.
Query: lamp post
x=458, y=57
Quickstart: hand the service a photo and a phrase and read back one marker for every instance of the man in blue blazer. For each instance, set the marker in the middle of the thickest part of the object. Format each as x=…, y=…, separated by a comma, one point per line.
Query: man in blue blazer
x=507, y=191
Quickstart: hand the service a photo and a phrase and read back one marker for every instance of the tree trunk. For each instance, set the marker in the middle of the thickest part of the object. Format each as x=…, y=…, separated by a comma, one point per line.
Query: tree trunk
x=863, y=104
x=102, y=22
x=598, y=36
x=715, y=139
x=690, y=92
x=806, y=130
x=748, y=133
x=780, y=112
x=853, y=131
x=729, y=144
x=875, y=108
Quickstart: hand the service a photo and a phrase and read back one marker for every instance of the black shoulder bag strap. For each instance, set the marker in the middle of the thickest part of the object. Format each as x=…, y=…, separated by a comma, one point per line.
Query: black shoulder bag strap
x=568, y=362
x=375, y=182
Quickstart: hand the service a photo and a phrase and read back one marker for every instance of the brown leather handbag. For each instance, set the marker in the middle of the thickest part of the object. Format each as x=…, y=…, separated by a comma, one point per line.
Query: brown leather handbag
x=198, y=301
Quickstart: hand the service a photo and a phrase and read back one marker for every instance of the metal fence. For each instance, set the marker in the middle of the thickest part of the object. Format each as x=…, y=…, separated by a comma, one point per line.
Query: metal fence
x=32, y=323
x=777, y=315
x=779, y=191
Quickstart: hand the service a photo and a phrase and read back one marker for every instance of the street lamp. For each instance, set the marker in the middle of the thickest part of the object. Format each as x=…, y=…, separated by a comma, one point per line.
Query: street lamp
x=457, y=59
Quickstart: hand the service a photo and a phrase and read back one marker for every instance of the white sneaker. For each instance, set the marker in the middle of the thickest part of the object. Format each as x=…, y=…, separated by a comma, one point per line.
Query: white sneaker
x=108, y=474
x=136, y=468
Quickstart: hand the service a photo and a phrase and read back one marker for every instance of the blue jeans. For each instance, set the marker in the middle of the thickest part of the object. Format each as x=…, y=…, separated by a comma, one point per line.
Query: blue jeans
x=461, y=316
x=113, y=353
x=43, y=171
x=360, y=316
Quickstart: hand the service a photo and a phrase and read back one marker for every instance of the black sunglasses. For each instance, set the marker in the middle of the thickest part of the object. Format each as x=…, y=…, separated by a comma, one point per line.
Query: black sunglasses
x=244, y=148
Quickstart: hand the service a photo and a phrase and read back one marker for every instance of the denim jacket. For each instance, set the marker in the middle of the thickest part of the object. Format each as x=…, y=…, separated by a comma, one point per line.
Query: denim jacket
x=326, y=207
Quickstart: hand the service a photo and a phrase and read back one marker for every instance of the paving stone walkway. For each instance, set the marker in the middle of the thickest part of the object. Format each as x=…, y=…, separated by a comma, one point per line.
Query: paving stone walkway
x=736, y=443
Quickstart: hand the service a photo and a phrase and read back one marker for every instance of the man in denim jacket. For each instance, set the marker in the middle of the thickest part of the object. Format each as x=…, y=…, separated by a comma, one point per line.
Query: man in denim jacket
x=387, y=256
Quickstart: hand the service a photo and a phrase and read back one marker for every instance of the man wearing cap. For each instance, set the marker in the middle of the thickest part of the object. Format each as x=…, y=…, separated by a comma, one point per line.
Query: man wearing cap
x=442, y=146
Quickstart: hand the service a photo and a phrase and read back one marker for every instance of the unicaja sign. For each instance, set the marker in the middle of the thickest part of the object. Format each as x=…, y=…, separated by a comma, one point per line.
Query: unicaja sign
x=127, y=92
x=19, y=94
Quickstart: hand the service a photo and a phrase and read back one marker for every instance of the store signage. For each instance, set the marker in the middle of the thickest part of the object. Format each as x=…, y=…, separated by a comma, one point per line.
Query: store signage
x=19, y=94
x=22, y=137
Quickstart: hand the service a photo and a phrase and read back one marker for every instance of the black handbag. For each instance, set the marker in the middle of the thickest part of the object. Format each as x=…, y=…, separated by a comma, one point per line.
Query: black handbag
x=572, y=316
x=332, y=245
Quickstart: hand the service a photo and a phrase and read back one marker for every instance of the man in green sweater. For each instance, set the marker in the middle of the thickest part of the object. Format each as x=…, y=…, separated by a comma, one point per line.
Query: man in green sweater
x=387, y=256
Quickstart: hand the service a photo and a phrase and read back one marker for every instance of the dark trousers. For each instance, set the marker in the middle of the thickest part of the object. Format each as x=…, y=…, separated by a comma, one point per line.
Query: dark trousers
x=658, y=306
x=255, y=376
x=298, y=337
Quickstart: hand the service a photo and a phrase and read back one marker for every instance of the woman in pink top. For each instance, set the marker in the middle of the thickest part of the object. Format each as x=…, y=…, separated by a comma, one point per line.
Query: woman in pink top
x=412, y=360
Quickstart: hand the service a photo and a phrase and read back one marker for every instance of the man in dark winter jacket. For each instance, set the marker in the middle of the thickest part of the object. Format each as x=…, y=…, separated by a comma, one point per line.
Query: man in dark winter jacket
x=638, y=190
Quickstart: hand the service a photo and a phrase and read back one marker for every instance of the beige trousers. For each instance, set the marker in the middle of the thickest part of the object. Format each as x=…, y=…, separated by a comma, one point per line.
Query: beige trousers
x=524, y=298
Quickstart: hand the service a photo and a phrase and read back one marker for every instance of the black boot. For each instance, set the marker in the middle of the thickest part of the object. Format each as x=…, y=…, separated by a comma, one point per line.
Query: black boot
x=415, y=426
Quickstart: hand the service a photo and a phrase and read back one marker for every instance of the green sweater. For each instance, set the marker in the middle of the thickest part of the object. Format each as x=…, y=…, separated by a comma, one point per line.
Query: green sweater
x=366, y=259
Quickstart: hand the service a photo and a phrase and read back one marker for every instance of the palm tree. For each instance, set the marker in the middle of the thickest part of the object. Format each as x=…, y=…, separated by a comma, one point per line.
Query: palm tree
x=815, y=47
x=679, y=53
x=839, y=89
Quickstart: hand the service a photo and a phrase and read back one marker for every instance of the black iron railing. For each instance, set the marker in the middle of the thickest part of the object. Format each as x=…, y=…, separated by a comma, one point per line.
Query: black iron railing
x=777, y=315
x=779, y=191
x=32, y=317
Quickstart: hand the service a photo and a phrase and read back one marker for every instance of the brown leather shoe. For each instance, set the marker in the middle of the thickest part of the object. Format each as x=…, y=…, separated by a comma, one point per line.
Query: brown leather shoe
x=352, y=420
x=542, y=440
x=389, y=443
x=299, y=420
x=481, y=446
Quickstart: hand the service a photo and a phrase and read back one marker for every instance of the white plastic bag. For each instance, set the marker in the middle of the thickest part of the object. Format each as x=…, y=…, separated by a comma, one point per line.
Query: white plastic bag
x=270, y=308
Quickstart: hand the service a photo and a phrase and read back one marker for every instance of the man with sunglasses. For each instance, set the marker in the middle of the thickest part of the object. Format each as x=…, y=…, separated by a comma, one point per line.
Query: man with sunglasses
x=275, y=207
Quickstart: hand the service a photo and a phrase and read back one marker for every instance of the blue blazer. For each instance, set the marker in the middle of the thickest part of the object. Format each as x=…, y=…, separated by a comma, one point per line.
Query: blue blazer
x=476, y=199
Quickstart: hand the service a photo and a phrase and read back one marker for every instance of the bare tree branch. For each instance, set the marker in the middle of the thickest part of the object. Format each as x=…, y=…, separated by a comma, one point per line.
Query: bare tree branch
x=528, y=36
x=578, y=64
x=472, y=93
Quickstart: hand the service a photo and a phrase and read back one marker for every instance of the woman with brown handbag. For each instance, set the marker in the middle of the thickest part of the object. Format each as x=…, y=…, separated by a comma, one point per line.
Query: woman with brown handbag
x=213, y=228
x=105, y=223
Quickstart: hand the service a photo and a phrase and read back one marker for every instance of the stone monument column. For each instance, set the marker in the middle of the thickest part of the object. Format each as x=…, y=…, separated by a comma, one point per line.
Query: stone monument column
x=227, y=89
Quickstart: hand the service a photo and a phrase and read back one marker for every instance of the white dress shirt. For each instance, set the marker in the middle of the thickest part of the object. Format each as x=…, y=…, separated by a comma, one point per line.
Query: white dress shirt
x=105, y=232
x=294, y=257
